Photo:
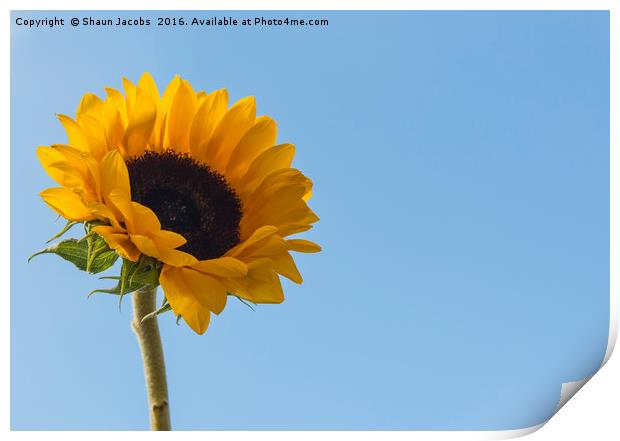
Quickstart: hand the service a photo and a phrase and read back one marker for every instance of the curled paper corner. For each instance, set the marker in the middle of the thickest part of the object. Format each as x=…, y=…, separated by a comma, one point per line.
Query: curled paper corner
x=569, y=389
x=517, y=433
x=473, y=435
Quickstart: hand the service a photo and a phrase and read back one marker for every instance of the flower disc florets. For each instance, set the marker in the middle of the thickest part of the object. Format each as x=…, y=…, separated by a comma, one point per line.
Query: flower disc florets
x=189, y=198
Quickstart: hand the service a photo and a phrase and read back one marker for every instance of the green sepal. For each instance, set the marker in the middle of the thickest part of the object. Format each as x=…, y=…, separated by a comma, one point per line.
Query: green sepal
x=88, y=226
x=134, y=276
x=144, y=273
x=100, y=255
x=114, y=291
x=244, y=301
x=66, y=228
x=164, y=308
x=78, y=253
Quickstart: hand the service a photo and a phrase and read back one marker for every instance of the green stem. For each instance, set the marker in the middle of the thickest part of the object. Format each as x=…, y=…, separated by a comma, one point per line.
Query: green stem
x=152, y=357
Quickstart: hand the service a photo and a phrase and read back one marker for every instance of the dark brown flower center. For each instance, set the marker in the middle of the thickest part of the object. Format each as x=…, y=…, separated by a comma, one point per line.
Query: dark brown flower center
x=189, y=198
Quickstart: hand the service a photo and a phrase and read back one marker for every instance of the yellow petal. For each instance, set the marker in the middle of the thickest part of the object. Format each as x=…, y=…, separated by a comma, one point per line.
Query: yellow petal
x=172, y=257
x=208, y=116
x=177, y=258
x=162, y=134
x=284, y=206
x=103, y=212
x=145, y=219
x=293, y=228
x=209, y=292
x=66, y=203
x=49, y=156
x=121, y=206
x=180, y=118
x=182, y=300
x=114, y=174
x=278, y=213
x=77, y=158
x=234, y=124
x=141, y=123
x=164, y=109
x=222, y=266
x=258, y=139
x=267, y=247
x=308, y=194
x=94, y=134
x=90, y=105
x=146, y=245
x=116, y=98
x=74, y=133
x=147, y=83
x=167, y=239
x=169, y=94
x=114, y=124
x=119, y=242
x=261, y=285
x=256, y=236
x=72, y=168
x=71, y=176
x=286, y=180
x=130, y=96
x=272, y=159
x=303, y=246
x=285, y=265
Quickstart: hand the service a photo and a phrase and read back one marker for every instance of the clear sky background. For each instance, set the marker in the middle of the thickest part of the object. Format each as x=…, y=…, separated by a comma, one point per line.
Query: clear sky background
x=461, y=169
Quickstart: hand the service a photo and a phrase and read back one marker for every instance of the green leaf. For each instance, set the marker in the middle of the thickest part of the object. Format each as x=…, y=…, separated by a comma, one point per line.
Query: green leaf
x=70, y=250
x=92, y=255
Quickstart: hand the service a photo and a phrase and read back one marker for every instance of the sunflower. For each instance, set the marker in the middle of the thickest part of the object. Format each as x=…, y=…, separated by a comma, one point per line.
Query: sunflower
x=185, y=179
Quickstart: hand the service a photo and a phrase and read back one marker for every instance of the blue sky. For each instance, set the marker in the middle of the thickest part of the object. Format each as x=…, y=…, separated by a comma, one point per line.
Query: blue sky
x=461, y=170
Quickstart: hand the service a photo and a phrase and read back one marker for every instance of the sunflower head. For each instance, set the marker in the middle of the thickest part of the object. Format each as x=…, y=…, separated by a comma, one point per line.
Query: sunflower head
x=194, y=195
